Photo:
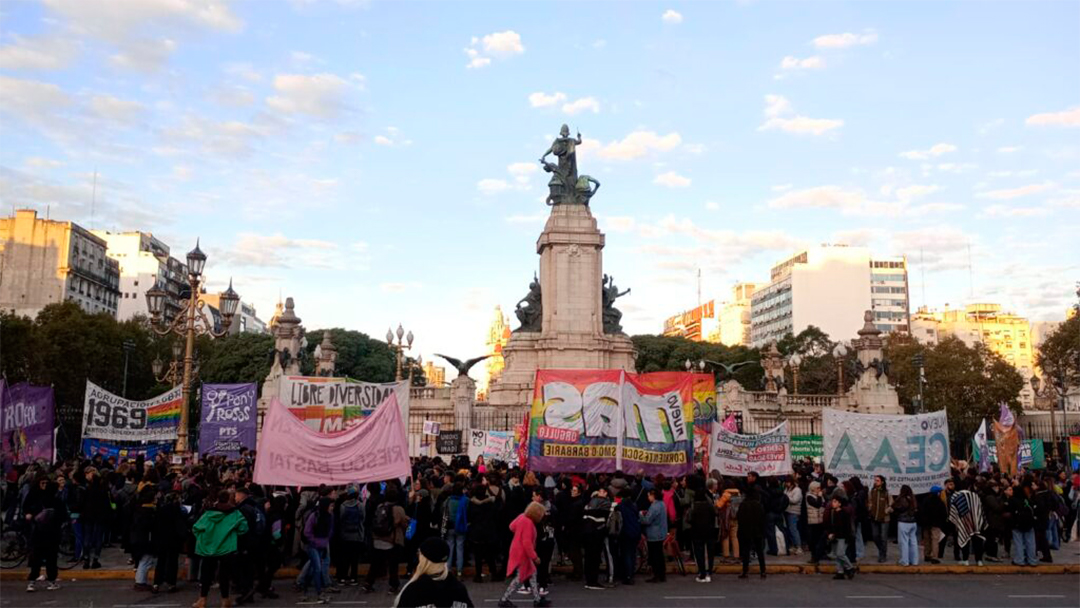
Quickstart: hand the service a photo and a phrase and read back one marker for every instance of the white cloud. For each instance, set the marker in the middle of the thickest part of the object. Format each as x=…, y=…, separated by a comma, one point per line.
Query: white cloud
x=400, y=287
x=845, y=40
x=115, y=109
x=317, y=95
x=933, y=151
x=990, y=126
x=38, y=162
x=672, y=17
x=278, y=251
x=777, y=109
x=32, y=100
x=999, y=210
x=1011, y=193
x=672, y=179
x=492, y=186
x=476, y=61
x=581, y=105
x=144, y=55
x=940, y=247
x=909, y=193
x=1009, y=149
x=712, y=205
x=781, y=188
x=956, y=167
x=242, y=70
x=794, y=63
x=383, y=140
x=618, y=223
x=51, y=52
x=543, y=100
x=230, y=138
x=695, y=148
x=233, y=95
x=635, y=145
x=1065, y=118
x=850, y=201
x=500, y=45
x=519, y=169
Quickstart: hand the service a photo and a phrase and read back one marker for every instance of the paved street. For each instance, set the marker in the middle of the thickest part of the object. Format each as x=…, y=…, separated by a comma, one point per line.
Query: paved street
x=876, y=591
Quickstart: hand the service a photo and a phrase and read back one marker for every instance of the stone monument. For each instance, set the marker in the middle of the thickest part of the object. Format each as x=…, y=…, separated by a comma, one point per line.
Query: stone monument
x=568, y=318
x=871, y=391
x=289, y=343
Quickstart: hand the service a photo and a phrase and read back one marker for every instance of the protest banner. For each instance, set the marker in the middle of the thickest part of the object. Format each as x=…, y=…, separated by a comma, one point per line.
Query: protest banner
x=806, y=446
x=329, y=405
x=96, y=447
x=228, y=419
x=431, y=427
x=448, y=442
x=1032, y=453
x=767, y=454
x=493, y=445
x=585, y=421
x=113, y=418
x=659, y=424
x=1074, y=452
x=293, y=454
x=905, y=450
x=26, y=422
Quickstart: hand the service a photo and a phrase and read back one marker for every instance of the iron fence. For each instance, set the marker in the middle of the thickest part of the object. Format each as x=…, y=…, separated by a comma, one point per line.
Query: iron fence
x=502, y=419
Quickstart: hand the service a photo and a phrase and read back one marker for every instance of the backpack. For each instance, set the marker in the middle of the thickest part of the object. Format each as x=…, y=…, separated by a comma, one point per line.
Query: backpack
x=384, y=520
x=733, y=507
x=351, y=520
x=461, y=519
x=614, y=522
x=259, y=529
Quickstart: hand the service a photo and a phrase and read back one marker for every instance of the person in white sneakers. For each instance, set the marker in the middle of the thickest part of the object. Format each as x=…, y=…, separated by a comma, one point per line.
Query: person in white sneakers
x=45, y=514
x=791, y=516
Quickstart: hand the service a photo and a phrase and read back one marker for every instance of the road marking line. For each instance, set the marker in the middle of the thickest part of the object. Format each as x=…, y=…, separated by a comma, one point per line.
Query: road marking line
x=1036, y=596
x=693, y=597
x=875, y=597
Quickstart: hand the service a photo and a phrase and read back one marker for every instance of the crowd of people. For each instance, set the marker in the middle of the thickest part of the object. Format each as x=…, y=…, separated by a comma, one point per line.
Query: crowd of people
x=605, y=528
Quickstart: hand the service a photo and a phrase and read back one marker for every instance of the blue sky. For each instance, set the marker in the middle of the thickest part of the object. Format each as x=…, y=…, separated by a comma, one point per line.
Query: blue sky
x=377, y=161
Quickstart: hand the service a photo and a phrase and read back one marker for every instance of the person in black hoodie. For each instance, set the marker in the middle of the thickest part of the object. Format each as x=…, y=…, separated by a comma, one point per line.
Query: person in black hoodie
x=482, y=534
x=841, y=533
x=751, y=518
x=775, y=504
x=46, y=514
x=170, y=529
x=140, y=535
x=432, y=584
x=703, y=533
x=251, y=546
x=94, y=516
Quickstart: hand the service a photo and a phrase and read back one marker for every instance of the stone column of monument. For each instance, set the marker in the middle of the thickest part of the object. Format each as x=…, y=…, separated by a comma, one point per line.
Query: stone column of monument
x=872, y=393
x=568, y=321
x=463, y=398
x=288, y=336
x=327, y=359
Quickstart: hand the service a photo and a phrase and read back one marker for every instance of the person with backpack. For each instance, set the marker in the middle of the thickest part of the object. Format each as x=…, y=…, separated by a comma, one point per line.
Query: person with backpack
x=251, y=546
x=482, y=534
x=351, y=531
x=388, y=541
x=317, y=532
x=594, y=530
x=216, y=535
x=455, y=526
x=703, y=534
x=727, y=509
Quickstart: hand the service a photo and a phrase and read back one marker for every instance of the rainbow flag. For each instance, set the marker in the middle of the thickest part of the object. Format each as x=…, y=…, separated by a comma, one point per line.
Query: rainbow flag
x=164, y=414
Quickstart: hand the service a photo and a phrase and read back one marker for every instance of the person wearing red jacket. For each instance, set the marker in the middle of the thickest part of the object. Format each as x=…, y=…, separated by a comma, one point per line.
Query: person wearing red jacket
x=523, y=557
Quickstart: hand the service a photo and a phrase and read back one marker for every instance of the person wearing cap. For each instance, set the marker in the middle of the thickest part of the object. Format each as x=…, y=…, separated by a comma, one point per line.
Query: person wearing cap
x=432, y=583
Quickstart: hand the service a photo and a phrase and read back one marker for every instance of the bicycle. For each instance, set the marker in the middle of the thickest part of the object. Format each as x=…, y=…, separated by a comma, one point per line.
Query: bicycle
x=15, y=546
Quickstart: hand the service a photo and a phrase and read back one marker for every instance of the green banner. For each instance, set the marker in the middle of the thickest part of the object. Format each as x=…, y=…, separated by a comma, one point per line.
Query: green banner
x=1031, y=453
x=806, y=446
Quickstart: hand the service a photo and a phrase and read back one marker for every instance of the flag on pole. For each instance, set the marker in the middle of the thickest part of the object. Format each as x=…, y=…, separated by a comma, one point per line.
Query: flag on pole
x=983, y=446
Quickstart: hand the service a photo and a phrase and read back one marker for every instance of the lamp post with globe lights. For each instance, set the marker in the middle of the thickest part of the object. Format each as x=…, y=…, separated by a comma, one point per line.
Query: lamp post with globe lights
x=171, y=375
x=191, y=321
x=794, y=361
x=404, y=342
x=840, y=351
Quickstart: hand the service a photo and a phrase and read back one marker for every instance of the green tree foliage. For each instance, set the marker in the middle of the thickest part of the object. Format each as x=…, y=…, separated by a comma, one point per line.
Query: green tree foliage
x=244, y=357
x=1059, y=355
x=663, y=353
x=359, y=356
x=969, y=383
x=818, y=373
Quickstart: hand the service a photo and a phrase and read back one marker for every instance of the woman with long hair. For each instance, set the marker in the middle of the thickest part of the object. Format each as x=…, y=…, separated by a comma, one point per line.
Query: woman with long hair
x=523, y=557
x=432, y=582
x=216, y=534
x=906, y=510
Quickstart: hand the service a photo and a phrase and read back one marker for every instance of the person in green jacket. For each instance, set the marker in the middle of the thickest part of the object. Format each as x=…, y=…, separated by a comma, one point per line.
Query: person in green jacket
x=216, y=534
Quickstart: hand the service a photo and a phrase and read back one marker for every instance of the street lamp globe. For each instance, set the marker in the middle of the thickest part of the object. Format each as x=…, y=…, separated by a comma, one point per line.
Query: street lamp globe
x=1036, y=384
x=196, y=261
x=155, y=300
x=795, y=360
x=400, y=332
x=157, y=365
x=389, y=336
x=840, y=349
x=229, y=301
x=688, y=365
x=177, y=350
x=409, y=339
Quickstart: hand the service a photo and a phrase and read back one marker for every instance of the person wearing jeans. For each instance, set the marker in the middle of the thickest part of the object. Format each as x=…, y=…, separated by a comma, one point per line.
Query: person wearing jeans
x=791, y=517
x=1022, y=518
x=907, y=530
x=841, y=535
x=878, y=504
x=94, y=511
x=216, y=534
x=318, y=530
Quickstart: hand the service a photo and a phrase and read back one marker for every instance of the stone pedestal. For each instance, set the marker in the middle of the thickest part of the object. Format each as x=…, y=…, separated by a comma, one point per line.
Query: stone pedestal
x=463, y=398
x=872, y=392
x=288, y=336
x=572, y=333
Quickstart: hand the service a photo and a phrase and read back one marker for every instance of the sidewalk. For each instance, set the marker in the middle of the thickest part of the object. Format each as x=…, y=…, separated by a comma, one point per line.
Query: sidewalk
x=1066, y=561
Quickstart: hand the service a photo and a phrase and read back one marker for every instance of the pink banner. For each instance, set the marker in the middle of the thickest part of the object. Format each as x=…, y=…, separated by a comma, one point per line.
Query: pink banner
x=292, y=454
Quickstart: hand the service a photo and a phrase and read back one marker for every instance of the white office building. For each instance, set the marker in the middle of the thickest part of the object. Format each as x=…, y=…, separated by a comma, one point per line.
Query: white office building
x=830, y=287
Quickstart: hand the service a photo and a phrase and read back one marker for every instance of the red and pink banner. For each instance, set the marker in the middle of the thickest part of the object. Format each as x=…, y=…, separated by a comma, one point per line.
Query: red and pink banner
x=292, y=454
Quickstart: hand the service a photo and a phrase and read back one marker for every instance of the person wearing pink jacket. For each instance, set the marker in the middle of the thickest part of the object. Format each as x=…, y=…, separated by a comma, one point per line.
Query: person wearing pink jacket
x=523, y=556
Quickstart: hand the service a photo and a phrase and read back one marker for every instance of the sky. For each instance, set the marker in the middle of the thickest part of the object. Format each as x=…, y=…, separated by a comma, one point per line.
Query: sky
x=376, y=161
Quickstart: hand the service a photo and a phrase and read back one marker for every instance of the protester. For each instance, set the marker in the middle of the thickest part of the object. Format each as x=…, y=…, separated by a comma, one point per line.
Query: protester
x=880, y=509
x=703, y=532
x=752, y=531
x=594, y=530
x=350, y=518
x=432, y=582
x=388, y=533
x=906, y=511
x=216, y=534
x=792, y=514
x=656, y=530
x=841, y=533
x=523, y=559
x=46, y=514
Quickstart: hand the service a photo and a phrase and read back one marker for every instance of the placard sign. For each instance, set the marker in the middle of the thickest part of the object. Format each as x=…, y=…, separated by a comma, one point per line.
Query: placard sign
x=767, y=454
x=228, y=419
x=113, y=418
x=448, y=442
x=493, y=445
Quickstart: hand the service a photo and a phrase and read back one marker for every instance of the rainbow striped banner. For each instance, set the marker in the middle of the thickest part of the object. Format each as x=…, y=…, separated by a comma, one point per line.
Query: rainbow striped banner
x=113, y=418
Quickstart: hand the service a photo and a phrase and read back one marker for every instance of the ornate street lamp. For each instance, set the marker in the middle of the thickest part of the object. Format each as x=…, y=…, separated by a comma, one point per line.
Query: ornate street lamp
x=172, y=375
x=840, y=351
x=191, y=322
x=794, y=361
x=404, y=342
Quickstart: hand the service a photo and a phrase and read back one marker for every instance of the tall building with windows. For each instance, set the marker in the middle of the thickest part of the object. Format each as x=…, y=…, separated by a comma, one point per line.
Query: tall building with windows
x=830, y=287
x=1004, y=333
x=245, y=320
x=144, y=262
x=694, y=324
x=733, y=328
x=44, y=262
x=497, y=337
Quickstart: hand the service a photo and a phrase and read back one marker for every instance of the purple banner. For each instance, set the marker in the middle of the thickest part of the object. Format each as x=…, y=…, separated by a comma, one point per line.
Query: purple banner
x=227, y=419
x=26, y=422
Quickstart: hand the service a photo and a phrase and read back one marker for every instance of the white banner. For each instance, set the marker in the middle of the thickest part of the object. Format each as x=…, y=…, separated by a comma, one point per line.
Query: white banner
x=905, y=450
x=113, y=418
x=767, y=454
x=493, y=445
x=330, y=405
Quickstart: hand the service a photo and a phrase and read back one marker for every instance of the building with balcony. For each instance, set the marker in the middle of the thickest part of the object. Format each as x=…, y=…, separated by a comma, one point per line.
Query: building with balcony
x=144, y=262
x=44, y=262
x=245, y=321
x=829, y=287
x=694, y=324
x=733, y=327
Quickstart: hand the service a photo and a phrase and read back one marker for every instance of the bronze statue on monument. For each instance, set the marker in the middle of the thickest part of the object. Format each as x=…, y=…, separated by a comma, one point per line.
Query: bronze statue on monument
x=531, y=315
x=608, y=294
x=565, y=186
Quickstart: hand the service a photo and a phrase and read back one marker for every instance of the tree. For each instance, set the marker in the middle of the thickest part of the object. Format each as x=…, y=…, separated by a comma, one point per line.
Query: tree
x=817, y=370
x=1059, y=355
x=663, y=353
x=359, y=356
x=968, y=382
x=244, y=357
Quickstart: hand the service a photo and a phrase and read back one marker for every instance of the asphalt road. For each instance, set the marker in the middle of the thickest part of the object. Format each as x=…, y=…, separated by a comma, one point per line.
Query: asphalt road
x=781, y=591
